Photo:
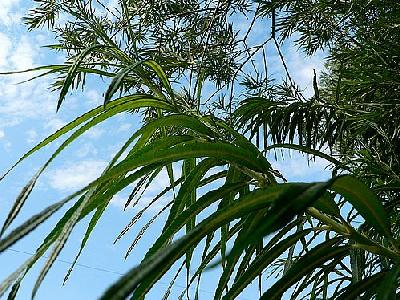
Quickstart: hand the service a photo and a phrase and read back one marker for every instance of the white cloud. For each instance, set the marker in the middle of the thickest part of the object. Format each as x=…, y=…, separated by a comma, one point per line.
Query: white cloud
x=8, y=13
x=119, y=201
x=124, y=127
x=86, y=150
x=54, y=124
x=5, y=43
x=93, y=97
x=29, y=100
x=94, y=133
x=7, y=146
x=296, y=167
x=32, y=136
x=2, y=134
x=23, y=54
x=75, y=176
x=301, y=67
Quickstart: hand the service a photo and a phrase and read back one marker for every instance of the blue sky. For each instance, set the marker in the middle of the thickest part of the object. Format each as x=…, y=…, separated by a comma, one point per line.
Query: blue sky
x=28, y=114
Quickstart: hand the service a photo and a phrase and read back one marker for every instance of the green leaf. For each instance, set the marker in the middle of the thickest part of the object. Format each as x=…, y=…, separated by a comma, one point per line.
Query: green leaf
x=48, y=241
x=241, y=141
x=60, y=68
x=308, y=150
x=262, y=261
x=93, y=221
x=387, y=289
x=73, y=124
x=66, y=230
x=5, y=285
x=163, y=77
x=228, y=264
x=251, y=222
x=306, y=264
x=19, y=202
x=61, y=240
x=293, y=201
x=24, y=268
x=47, y=67
x=355, y=290
x=140, y=213
x=137, y=103
x=198, y=149
x=117, y=81
x=180, y=220
x=365, y=201
x=208, y=257
x=30, y=225
x=176, y=120
x=72, y=72
x=188, y=186
x=144, y=228
x=171, y=284
x=14, y=290
x=188, y=166
x=327, y=204
x=152, y=268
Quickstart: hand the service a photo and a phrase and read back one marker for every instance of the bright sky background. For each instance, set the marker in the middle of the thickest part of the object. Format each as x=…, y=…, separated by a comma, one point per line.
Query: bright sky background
x=27, y=115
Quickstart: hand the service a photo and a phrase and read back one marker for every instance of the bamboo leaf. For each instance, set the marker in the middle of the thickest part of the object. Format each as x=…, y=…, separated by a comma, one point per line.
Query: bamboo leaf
x=140, y=213
x=388, y=287
x=327, y=204
x=117, y=81
x=60, y=241
x=306, y=264
x=196, y=149
x=262, y=261
x=73, y=124
x=179, y=221
x=191, y=182
x=93, y=221
x=163, y=77
x=14, y=290
x=208, y=257
x=19, y=202
x=137, y=103
x=72, y=72
x=30, y=225
x=295, y=199
x=153, y=267
x=365, y=201
x=66, y=230
x=228, y=264
x=48, y=241
x=368, y=283
x=5, y=285
x=308, y=150
x=187, y=167
x=47, y=67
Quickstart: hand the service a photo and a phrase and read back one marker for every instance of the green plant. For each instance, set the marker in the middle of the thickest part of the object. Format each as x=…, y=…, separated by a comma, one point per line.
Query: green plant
x=313, y=241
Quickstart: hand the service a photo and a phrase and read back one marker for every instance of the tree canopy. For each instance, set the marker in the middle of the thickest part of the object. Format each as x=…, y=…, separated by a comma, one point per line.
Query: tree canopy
x=333, y=239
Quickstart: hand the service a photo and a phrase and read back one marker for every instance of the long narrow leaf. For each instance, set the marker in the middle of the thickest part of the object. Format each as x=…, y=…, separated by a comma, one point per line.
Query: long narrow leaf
x=365, y=201
x=261, y=262
x=72, y=72
x=30, y=225
x=309, y=262
x=19, y=202
x=355, y=290
x=155, y=266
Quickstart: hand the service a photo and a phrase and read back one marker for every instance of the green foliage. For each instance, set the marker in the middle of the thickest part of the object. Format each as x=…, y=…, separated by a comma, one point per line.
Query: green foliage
x=304, y=237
